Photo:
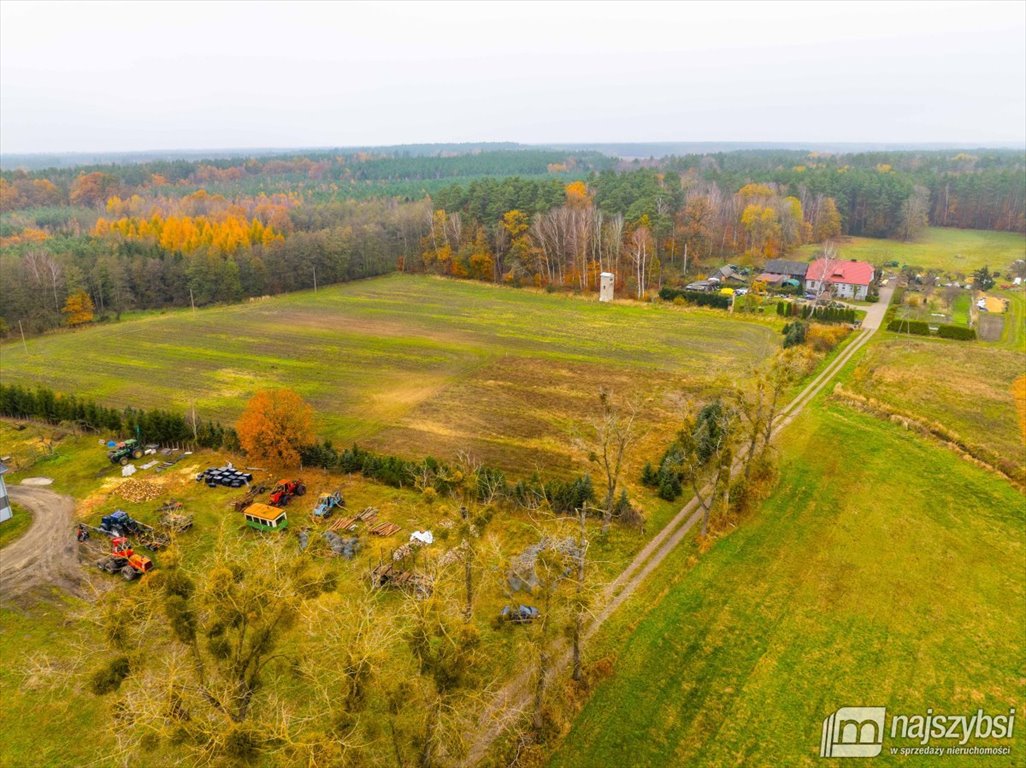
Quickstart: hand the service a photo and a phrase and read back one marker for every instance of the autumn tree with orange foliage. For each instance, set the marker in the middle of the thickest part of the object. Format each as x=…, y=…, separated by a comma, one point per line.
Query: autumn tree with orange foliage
x=92, y=189
x=78, y=309
x=1019, y=395
x=274, y=426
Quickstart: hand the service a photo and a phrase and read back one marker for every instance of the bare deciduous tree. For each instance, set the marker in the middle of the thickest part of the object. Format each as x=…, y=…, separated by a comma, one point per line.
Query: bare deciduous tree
x=610, y=435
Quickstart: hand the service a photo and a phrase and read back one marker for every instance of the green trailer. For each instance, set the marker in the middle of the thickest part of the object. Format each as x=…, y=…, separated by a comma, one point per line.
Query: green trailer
x=264, y=517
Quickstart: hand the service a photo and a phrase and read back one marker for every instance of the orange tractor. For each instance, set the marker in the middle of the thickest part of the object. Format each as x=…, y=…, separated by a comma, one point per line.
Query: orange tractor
x=285, y=490
x=122, y=559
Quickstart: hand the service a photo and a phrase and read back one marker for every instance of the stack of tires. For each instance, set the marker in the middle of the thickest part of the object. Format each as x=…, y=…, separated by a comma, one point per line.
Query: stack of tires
x=227, y=476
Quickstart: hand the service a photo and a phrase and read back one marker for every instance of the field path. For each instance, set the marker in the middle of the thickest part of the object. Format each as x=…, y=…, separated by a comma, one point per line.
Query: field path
x=511, y=702
x=46, y=554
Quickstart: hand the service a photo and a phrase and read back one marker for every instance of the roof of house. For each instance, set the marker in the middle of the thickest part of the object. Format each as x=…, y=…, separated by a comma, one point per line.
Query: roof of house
x=785, y=267
x=771, y=277
x=264, y=511
x=851, y=272
x=728, y=272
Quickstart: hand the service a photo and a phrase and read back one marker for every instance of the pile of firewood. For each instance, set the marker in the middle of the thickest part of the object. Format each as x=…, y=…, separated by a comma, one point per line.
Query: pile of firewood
x=139, y=490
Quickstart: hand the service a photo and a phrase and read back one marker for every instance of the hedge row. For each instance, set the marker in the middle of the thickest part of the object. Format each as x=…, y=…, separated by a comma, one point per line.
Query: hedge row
x=922, y=328
x=819, y=314
x=152, y=426
x=488, y=483
x=696, y=297
x=959, y=332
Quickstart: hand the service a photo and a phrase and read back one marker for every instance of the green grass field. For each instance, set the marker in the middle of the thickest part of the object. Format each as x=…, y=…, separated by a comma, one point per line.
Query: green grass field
x=965, y=386
x=950, y=250
x=16, y=526
x=412, y=365
x=883, y=570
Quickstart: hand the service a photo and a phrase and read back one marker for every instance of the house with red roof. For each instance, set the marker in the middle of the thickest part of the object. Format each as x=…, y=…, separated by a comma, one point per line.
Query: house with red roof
x=844, y=278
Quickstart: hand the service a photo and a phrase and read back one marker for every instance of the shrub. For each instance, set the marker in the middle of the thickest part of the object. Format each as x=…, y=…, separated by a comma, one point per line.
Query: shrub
x=670, y=488
x=649, y=476
x=823, y=338
x=794, y=333
x=109, y=677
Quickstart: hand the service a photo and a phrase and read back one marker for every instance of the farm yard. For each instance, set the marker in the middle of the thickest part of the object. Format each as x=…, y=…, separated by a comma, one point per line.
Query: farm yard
x=78, y=465
x=409, y=365
x=830, y=595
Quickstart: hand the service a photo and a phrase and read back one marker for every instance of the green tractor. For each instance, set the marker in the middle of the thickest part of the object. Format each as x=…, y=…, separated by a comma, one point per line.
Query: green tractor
x=125, y=450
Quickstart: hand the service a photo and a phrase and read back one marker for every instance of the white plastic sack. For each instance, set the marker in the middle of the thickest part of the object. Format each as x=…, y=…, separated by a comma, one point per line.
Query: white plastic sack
x=421, y=537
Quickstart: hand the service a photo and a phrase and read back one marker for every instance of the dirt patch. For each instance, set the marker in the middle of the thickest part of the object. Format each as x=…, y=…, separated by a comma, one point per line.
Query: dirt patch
x=37, y=481
x=990, y=327
x=46, y=554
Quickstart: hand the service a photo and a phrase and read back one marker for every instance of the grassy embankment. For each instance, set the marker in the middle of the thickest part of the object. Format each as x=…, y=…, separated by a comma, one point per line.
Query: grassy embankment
x=883, y=570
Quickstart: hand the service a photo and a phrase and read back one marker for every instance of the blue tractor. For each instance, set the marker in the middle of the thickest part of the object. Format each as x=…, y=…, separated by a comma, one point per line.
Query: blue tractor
x=328, y=503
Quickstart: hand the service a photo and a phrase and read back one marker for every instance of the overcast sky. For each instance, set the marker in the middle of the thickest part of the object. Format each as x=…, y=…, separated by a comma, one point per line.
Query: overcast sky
x=119, y=77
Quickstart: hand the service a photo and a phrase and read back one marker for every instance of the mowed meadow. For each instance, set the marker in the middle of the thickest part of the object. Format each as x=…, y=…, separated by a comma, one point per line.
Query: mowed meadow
x=411, y=365
x=943, y=248
x=884, y=570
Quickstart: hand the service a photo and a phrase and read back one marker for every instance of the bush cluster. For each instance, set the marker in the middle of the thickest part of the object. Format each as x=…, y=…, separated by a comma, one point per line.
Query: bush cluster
x=795, y=333
x=487, y=482
x=696, y=297
x=668, y=477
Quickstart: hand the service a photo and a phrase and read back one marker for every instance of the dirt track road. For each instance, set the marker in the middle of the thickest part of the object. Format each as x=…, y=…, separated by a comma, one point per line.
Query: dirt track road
x=512, y=700
x=46, y=554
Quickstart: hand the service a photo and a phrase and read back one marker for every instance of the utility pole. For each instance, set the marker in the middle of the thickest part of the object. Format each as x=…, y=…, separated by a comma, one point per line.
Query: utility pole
x=315, y=279
x=23, y=344
x=192, y=300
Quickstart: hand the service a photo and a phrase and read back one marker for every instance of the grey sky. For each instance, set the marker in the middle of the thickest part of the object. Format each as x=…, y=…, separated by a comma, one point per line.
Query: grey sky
x=110, y=77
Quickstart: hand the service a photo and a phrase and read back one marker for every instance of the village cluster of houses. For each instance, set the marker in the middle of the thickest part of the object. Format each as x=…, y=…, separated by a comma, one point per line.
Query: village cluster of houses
x=839, y=278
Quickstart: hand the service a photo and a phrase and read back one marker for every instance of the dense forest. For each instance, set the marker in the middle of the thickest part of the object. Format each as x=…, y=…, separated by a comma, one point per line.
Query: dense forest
x=88, y=243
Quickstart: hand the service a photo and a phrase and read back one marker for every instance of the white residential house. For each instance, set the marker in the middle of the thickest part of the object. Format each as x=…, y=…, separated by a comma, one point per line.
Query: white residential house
x=847, y=279
x=5, y=501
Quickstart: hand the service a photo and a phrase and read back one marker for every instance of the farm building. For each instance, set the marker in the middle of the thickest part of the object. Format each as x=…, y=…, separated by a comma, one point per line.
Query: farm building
x=727, y=275
x=786, y=270
x=848, y=279
x=5, y=501
x=772, y=280
x=264, y=517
